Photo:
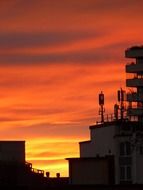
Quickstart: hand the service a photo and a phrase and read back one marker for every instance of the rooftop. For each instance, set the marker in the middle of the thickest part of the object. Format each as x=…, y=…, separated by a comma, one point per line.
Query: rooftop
x=90, y=158
x=134, y=52
x=124, y=124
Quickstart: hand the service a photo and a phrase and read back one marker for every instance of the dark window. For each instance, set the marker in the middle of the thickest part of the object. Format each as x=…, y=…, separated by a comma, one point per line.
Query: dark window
x=125, y=173
x=128, y=148
x=141, y=150
x=125, y=148
x=121, y=148
x=128, y=172
x=122, y=173
x=125, y=160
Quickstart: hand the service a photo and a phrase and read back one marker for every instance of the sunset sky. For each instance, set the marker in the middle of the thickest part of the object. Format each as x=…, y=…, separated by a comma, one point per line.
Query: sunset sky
x=55, y=57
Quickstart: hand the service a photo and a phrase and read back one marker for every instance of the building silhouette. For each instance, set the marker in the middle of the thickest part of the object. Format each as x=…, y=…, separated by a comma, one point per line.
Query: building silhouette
x=14, y=170
x=114, y=153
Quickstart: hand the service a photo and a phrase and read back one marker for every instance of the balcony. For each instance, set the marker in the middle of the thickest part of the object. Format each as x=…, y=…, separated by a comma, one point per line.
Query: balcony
x=135, y=111
x=134, y=52
x=136, y=82
x=134, y=97
x=134, y=68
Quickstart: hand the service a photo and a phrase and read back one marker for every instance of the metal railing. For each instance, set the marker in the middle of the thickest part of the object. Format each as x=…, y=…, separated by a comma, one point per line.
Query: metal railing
x=34, y=170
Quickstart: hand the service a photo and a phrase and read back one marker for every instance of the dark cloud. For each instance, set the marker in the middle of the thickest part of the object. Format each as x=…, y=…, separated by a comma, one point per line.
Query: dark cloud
x=90, y=57
x=73, y=5
x=93, y=55
x=47, y=39
x=110, y=5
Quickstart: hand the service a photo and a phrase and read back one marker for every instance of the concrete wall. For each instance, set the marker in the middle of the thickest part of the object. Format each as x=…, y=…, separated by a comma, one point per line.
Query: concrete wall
x=102, y=142
x=12, y=151
x=105, y=140
x=90, y=171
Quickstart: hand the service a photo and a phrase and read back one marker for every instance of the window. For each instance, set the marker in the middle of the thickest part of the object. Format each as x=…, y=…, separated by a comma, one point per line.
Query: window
x=141, y=150
x=128, y=172
x=125, y=173
x=125, y=161
x=122, y=173
x=125, y=148
x=122, y=149
x=128, y=148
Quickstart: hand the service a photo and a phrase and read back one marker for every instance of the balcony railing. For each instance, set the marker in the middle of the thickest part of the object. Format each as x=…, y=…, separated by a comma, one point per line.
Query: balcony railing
x=135, y=111
x=136, y=82
x=134, y=68
x=134, y=97
x=34, y=170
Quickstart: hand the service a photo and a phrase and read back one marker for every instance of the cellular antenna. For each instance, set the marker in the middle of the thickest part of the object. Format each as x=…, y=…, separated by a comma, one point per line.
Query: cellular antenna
x=121, y=99
x=101, y=109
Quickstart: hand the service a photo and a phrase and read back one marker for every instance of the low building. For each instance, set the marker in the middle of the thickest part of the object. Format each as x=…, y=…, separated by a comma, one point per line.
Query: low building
x=92, y=170
x=14, y=170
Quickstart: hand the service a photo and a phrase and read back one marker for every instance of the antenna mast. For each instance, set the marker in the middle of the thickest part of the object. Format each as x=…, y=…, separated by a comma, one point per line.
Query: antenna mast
x=121, y=99
x=101, y=109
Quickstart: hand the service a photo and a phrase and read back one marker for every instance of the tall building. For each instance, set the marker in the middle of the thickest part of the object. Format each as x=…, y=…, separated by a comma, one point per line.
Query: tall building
x=135, y=83
x=114, y=153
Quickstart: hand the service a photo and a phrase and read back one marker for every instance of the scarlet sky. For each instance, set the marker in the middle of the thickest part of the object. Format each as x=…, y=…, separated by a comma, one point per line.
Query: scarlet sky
x=55, y=57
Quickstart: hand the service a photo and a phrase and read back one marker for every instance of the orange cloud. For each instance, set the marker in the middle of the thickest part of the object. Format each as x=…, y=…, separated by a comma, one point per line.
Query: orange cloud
x=50, y=154
x=52, y=104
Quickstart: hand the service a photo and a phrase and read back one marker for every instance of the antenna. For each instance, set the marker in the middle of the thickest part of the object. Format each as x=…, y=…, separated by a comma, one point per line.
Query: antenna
x=101, y=109
x=121, y=99
x=116, y=109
